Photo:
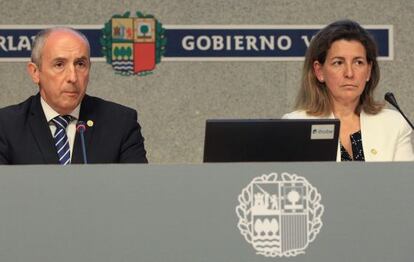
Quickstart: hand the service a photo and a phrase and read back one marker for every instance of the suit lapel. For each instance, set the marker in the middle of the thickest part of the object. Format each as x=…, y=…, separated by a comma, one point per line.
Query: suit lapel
x=85, y=114
x=367, y=140
x=41, y=132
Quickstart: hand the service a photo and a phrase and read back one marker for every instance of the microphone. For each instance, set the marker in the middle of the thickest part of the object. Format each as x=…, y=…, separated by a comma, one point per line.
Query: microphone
x=80, y=128
x=389, y=97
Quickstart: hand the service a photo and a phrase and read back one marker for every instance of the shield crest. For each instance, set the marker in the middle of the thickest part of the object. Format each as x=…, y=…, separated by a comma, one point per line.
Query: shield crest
x=279, y=215
x=133, y=45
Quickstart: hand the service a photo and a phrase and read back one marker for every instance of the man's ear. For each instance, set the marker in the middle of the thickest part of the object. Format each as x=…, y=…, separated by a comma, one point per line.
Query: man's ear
x=33, y=71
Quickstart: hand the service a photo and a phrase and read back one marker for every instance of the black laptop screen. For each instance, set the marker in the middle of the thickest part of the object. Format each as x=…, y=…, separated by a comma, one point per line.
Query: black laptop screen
x=235, y=140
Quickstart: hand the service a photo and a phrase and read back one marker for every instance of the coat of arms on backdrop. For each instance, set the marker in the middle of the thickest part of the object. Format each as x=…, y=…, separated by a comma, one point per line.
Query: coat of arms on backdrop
x=133, y=45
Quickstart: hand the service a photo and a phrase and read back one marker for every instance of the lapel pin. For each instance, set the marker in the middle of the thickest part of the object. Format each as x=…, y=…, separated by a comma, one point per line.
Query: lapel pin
x=89, y=123
x=374, y=151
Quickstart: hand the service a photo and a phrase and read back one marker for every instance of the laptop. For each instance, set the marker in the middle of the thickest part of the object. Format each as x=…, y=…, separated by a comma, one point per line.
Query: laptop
x=262, y=140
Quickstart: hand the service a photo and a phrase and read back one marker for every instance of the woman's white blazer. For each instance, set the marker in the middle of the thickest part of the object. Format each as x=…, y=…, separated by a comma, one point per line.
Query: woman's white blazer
x=386, y=136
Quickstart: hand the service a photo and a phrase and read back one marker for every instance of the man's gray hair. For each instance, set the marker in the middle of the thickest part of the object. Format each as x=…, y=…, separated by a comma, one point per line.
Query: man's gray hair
x=40, y=41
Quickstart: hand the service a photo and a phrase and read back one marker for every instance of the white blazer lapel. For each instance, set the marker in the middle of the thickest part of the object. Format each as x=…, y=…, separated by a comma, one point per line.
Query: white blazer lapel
x=371, y=134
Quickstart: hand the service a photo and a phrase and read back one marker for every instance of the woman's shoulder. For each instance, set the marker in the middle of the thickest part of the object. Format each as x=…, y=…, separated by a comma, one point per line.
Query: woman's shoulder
x=386, y=119
x=386, y=115
x=300, y=114
x=295, y=114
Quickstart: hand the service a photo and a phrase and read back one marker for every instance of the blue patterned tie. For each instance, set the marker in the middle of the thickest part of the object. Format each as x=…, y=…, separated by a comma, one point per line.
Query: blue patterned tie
x=61, y=139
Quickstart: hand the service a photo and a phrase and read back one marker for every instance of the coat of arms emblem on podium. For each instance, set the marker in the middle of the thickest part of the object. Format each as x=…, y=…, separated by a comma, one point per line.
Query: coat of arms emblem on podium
x=279, y=215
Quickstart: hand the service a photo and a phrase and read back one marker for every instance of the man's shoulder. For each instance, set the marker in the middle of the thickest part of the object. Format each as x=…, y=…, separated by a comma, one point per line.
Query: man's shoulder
x=105, y=106
x=18, y=110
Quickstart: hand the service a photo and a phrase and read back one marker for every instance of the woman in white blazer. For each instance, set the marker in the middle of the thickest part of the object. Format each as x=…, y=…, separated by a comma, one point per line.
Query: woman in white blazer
x=340, y=75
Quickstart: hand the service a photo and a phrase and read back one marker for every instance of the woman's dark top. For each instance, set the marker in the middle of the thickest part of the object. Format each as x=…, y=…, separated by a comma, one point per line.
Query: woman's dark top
x=357, y=150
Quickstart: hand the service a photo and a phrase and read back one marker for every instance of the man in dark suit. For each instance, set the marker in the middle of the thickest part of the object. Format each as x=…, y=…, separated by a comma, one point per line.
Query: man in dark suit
x=42, y=129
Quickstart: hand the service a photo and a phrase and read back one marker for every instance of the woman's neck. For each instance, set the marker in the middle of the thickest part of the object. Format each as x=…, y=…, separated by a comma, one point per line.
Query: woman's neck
x=346, y=111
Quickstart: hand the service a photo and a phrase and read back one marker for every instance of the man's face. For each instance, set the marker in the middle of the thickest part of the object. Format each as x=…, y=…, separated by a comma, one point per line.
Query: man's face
x=64, y=71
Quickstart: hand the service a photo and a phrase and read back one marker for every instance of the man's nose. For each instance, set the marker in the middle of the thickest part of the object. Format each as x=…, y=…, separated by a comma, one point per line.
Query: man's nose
x=72, y=76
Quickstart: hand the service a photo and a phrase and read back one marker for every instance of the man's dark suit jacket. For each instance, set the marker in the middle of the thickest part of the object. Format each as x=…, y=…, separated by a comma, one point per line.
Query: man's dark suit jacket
x=115, y=136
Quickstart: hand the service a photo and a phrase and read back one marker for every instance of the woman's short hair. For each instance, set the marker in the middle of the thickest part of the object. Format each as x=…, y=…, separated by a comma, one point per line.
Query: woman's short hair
x=313, y=95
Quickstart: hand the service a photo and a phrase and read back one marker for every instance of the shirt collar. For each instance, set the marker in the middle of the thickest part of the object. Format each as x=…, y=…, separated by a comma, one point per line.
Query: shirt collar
x=50, y=113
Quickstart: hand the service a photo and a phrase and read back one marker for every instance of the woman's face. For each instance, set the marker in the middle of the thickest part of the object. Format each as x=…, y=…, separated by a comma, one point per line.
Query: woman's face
x=345, y=71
